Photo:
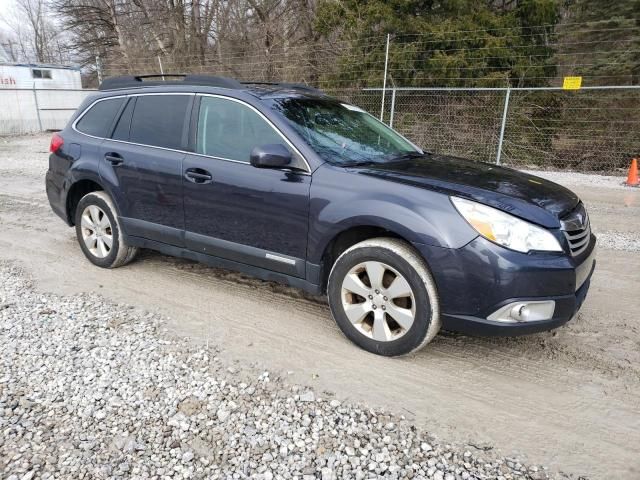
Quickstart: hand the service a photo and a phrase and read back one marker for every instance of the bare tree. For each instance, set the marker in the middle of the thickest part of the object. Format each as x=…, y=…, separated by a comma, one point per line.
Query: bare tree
x=8, y=47
x=250, y=39
x=33, y=30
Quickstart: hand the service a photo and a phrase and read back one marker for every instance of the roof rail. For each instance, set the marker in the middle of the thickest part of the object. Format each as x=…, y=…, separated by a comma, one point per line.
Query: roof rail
x=293, y=86
x=132, y=81
x=159, y=79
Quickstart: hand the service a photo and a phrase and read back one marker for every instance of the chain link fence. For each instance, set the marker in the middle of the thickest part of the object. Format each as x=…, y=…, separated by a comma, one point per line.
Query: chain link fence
x=591, y=129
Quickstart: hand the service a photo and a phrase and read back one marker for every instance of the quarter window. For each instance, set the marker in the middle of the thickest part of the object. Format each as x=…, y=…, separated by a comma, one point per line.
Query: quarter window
x=99, y=118
x=159, y=120
x=231, y=130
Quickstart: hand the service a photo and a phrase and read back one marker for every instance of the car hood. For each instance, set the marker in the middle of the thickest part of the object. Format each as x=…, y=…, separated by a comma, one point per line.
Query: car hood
x=527, y=196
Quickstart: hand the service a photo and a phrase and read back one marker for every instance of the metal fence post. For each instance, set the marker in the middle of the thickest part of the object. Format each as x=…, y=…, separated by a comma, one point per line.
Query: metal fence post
x=98, y=69
x=35, y=99
x=393, y=106
x=384, y=80
x=504, y=124
x=161, y=69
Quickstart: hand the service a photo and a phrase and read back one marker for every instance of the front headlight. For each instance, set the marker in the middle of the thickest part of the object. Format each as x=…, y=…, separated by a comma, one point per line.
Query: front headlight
x=505, y=229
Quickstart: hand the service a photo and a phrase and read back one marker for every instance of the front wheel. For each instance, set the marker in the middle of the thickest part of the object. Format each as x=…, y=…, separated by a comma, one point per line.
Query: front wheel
x=383, y=297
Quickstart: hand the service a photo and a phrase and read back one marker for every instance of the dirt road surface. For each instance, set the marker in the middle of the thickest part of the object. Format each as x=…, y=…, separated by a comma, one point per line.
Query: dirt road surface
x=568, y=399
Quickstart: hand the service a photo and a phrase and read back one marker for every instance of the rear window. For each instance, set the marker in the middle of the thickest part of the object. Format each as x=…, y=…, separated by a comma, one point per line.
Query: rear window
x=159, y=120
x=99, y=118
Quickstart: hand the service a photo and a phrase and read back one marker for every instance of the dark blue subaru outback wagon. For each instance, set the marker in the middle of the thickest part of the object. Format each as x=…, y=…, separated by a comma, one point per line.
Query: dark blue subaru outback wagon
x=285, y=183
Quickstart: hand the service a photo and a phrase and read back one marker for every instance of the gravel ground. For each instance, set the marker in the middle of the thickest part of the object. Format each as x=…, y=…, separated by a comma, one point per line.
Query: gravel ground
x=623, y=241
x=583, y=179
x=91, y=389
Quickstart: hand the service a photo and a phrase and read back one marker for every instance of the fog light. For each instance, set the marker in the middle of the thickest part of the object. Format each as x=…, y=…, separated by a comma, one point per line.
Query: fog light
x=524, y=312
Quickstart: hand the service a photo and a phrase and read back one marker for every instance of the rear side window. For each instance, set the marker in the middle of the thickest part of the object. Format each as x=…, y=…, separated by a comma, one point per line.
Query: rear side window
x=99, y=118
x=159, y=120
x=228, y=129
x=121, y=132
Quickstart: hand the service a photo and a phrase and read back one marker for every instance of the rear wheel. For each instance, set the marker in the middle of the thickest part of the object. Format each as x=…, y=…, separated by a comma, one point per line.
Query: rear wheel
x=99, y=233
x=383, y=297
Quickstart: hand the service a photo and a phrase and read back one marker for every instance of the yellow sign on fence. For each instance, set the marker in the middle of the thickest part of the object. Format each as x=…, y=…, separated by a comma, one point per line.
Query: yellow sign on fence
x=572, y=83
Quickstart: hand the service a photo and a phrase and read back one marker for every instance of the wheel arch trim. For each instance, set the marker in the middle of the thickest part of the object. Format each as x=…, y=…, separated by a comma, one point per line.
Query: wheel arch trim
x=351, y=233
x=73, y=183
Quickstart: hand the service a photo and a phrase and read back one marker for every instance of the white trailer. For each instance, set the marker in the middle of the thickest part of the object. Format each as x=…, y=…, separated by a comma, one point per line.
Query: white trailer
x=26, y=75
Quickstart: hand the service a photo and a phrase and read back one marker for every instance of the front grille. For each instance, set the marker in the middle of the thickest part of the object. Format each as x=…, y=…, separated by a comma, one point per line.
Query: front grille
x=577, y=230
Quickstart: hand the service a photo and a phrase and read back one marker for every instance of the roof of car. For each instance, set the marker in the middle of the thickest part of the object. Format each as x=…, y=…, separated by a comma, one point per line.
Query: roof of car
x=258, y=89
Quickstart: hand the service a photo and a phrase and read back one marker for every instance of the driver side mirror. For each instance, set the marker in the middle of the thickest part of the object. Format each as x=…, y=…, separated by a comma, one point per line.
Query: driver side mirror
x=273, y=155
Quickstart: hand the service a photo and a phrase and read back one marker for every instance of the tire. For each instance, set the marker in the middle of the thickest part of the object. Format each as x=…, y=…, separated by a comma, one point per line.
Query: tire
x=98, y=206
x=398, y=318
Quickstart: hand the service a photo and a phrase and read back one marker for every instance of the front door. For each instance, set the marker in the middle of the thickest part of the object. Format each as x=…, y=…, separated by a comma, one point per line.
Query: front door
x=143, y=160
x=233, y=210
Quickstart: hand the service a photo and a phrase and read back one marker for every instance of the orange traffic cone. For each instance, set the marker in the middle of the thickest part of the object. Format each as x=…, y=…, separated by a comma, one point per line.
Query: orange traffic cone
x=632, y=178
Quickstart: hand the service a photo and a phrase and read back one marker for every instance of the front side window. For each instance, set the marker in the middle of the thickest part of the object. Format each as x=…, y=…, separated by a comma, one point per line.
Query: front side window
x=159, y=120
x=231, y=130
x=341, y=133
x=99, y=118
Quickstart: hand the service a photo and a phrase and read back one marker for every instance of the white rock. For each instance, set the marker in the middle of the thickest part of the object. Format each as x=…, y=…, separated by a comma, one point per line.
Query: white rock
x=187, y=456
x=307, y=397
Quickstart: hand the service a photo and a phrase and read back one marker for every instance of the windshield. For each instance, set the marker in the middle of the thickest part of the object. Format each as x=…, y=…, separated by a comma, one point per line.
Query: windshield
x=341, y=133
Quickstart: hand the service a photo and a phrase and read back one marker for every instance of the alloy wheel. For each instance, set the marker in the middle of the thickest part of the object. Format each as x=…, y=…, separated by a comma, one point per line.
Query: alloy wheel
x=97, y=233
x=378, y=301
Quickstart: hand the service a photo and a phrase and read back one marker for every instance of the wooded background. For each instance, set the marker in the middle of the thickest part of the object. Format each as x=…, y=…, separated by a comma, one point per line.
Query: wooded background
x=338, y=43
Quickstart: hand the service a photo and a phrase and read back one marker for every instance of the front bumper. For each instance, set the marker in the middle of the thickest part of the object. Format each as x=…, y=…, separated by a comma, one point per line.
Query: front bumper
x=566, y=308
x=480, y=278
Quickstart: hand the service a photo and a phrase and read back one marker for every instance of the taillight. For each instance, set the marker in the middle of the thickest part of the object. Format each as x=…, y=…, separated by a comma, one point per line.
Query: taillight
x=56, y=143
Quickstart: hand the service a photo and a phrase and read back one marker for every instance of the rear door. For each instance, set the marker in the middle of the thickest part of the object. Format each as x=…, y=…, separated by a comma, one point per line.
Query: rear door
x=233, y=210
x=143, y=161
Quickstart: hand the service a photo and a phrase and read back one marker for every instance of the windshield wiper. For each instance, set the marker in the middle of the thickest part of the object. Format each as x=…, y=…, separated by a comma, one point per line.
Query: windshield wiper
x=404, y=156
x=383, y=160
x=359, y=163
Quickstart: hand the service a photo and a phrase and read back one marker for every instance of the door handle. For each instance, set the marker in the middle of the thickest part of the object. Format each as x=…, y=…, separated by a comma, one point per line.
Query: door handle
x=114, y=158
x=198, y=175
